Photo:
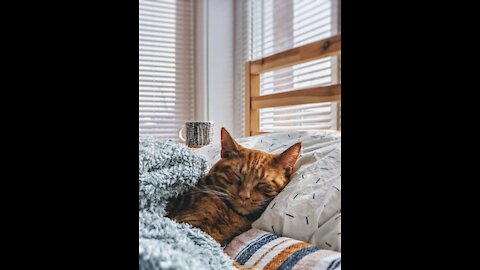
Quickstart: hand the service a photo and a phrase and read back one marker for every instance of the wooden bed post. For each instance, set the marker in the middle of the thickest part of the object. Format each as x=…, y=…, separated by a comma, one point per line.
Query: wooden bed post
x=252, y=89
x=254, y=113
x=313, y=94
x=248, y=104
x=339, y=115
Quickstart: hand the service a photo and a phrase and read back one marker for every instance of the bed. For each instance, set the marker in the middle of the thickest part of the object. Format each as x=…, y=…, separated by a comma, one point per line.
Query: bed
x=301, y=228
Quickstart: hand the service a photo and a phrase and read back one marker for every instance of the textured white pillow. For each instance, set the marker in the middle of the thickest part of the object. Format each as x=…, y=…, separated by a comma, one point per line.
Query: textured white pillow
x=308, y=209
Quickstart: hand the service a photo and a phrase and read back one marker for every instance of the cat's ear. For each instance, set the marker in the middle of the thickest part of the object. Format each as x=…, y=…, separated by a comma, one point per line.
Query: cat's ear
x=229, y=145
x=289, y=157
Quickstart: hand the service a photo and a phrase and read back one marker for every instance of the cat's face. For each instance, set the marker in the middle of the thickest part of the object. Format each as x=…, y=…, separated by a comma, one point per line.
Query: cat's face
x=250, y=178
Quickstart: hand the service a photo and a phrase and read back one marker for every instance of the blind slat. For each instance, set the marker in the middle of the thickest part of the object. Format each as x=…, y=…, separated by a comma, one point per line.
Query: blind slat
x=295, y=121
x=297, y=78
x=166, y=122
x=299, y=128
x=285, y=109
x=165, y=103
x=165, y=84
x=317, y=13
x=164, y=59
x=268, y=116
x=161, y=92
x=281, y=73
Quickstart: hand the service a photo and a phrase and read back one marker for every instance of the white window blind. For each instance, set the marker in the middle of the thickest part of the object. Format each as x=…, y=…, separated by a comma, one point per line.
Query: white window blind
x=165, y=66
x=265, y=27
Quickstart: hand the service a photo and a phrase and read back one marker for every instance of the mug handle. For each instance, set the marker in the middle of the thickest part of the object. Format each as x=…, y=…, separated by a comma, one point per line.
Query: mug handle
x=180, y=134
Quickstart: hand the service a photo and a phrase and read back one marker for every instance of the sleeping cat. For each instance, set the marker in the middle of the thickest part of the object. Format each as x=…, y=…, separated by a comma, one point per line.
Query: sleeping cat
x=236, y=190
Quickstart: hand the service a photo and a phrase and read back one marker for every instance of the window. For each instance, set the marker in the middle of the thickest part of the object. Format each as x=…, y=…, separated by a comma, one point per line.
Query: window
x=266, y=27
x=165, y=66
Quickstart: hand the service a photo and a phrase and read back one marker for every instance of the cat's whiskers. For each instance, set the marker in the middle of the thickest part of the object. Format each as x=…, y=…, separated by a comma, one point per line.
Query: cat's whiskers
x=223, y=189
x=261, y=202
x=209, y=191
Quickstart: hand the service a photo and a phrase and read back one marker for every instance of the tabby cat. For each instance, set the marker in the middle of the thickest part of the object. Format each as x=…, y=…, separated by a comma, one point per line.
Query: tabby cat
x=236, y=190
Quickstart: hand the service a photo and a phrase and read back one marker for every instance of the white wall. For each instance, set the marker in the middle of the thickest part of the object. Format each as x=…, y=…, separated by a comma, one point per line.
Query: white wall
x=214, y=66
x=201, y=93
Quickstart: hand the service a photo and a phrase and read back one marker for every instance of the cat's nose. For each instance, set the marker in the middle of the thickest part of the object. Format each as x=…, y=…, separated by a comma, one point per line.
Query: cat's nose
x=244, y=195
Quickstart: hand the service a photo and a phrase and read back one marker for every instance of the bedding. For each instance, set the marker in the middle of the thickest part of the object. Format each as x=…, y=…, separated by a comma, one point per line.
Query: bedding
x=265, y=250
x=166, y=169
x=309, y=207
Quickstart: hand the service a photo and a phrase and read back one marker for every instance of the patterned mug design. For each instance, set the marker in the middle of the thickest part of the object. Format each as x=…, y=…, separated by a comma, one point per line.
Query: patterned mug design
x=197, y=133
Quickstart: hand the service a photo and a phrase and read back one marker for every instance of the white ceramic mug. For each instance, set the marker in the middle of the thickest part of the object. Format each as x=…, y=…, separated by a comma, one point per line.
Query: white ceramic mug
x=197, y=133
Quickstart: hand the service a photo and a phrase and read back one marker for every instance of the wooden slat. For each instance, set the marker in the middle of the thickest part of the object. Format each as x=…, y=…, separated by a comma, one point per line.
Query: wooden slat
x=339, y=115
x=316, y=50
x=254, y=112
x=339, y=103
x=312, y=51
x=247, y=99
x=258, y=132
x=317, y=94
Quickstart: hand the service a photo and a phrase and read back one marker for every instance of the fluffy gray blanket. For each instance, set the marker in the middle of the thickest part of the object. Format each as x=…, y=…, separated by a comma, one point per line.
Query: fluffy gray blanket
x=167, y=169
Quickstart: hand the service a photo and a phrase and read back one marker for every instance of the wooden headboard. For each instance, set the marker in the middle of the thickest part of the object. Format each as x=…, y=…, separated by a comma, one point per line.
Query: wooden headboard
x=253, y=69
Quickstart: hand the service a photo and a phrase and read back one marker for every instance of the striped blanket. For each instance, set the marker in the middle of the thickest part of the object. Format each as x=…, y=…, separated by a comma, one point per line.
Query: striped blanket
x=269, y=251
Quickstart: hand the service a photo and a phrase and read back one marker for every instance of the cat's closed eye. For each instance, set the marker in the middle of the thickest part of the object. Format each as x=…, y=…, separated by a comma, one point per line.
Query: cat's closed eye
x=228, y=180
x=264, y=187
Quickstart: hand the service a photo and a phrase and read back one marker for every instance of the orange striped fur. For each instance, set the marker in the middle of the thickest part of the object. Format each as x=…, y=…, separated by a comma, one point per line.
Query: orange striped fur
x=235, y=191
